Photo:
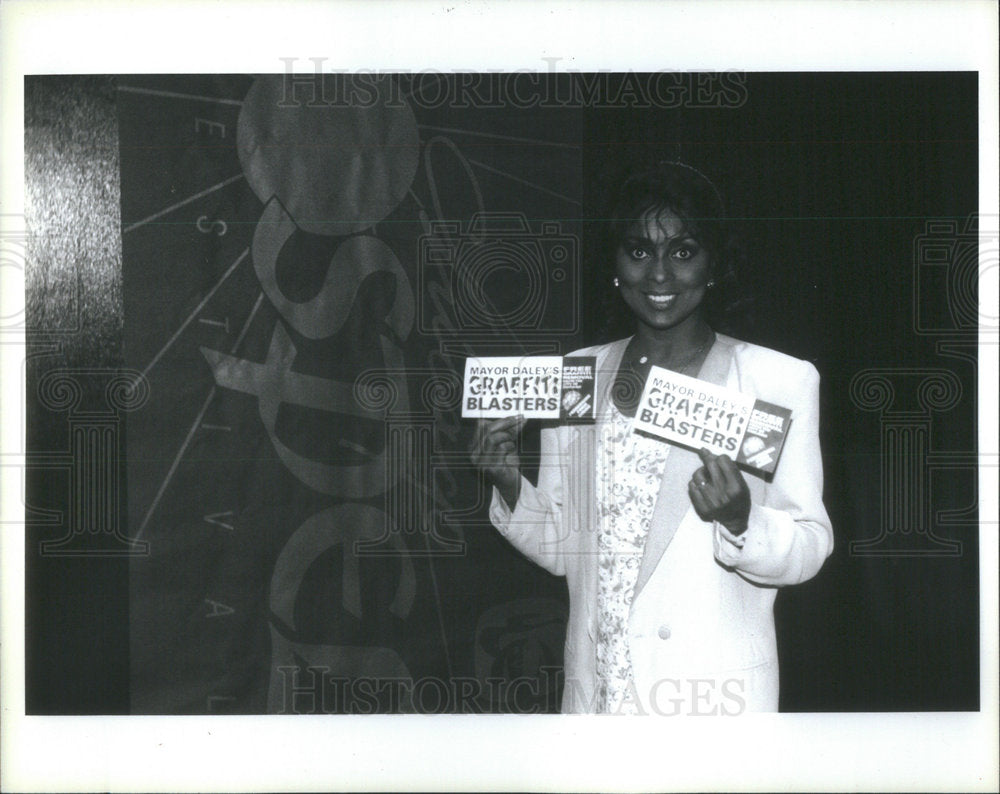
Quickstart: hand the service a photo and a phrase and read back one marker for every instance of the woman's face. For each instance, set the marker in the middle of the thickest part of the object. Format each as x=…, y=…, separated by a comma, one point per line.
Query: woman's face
x=662, y=271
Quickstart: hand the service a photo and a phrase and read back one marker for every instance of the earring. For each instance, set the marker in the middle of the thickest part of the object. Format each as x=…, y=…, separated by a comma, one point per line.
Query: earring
x=616, y=282
x=710, y=284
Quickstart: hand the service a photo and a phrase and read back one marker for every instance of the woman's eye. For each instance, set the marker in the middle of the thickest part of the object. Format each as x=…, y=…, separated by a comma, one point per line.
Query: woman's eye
x=638, y=253
x=683, y=253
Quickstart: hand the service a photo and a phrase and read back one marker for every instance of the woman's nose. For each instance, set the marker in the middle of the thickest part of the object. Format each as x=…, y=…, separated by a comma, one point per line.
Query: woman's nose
x=660, y=271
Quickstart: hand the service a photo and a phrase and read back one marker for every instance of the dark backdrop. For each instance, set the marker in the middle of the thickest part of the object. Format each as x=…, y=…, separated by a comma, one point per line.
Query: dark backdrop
x=853, y=196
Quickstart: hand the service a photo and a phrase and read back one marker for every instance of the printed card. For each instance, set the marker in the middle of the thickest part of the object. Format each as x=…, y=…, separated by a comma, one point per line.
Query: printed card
x=537, y=387
x=696, y=414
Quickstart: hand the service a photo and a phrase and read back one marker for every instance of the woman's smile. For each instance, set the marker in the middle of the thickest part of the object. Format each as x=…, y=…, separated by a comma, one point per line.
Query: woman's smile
x=662, y=271
x=662, y=300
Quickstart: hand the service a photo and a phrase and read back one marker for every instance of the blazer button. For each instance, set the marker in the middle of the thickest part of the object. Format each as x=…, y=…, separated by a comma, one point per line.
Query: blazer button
x=664, y=632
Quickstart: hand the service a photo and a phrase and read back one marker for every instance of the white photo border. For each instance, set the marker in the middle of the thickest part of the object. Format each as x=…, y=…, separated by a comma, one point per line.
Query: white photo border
x=803, y=752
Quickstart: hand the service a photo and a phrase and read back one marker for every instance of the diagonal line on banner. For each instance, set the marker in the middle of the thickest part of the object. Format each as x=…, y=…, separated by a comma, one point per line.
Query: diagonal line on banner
x=175, y=95
x=413, y=84
x=188, y=200
x=515, y=138
x=522, y=181
x=194, y=425
x=194, y=314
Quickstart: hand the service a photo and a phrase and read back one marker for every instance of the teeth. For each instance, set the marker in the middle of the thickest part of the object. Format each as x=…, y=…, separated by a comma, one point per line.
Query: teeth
x=661, y=300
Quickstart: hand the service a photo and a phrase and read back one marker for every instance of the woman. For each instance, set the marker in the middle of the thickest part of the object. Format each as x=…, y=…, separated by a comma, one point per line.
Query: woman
x=672, y=557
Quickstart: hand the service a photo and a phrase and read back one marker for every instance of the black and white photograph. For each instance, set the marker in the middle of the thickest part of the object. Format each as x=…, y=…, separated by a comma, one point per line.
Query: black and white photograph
x=443, y=416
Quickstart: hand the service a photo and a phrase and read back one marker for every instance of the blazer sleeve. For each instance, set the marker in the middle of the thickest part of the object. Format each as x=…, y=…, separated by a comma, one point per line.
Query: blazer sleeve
x=788, y=535
x=535, y=526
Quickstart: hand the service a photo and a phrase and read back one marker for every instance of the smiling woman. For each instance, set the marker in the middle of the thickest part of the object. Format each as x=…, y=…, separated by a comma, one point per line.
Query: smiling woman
x=668, y=240
x=672, y=557
x=662, y=271
x=677, y=206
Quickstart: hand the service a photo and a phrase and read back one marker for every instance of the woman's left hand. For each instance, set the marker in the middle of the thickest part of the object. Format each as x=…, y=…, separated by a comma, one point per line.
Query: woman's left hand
x=719, y=492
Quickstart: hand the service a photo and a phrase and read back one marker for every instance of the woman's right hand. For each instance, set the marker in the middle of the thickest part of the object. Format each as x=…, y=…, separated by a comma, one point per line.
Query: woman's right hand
x=494, y=452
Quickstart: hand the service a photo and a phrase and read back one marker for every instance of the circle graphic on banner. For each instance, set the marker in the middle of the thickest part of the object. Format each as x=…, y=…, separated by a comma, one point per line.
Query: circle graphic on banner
x=340, y=154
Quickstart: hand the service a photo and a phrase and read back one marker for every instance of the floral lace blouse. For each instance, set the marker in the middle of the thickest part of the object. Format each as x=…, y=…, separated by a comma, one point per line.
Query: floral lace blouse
x=629, y=470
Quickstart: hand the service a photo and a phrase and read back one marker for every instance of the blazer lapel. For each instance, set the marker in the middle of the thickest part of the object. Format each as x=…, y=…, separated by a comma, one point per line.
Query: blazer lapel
x=672, y=502
x=608, y=361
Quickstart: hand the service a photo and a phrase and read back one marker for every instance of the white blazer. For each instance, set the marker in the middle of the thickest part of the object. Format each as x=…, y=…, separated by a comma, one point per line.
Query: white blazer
x=701, y=626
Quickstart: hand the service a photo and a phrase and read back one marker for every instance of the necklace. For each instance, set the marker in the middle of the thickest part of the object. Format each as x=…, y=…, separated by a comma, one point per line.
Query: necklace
x=630, y=380
x=687, y=361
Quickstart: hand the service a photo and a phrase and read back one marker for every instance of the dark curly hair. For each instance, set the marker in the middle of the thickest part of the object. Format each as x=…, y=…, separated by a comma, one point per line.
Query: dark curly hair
x=690, y=195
